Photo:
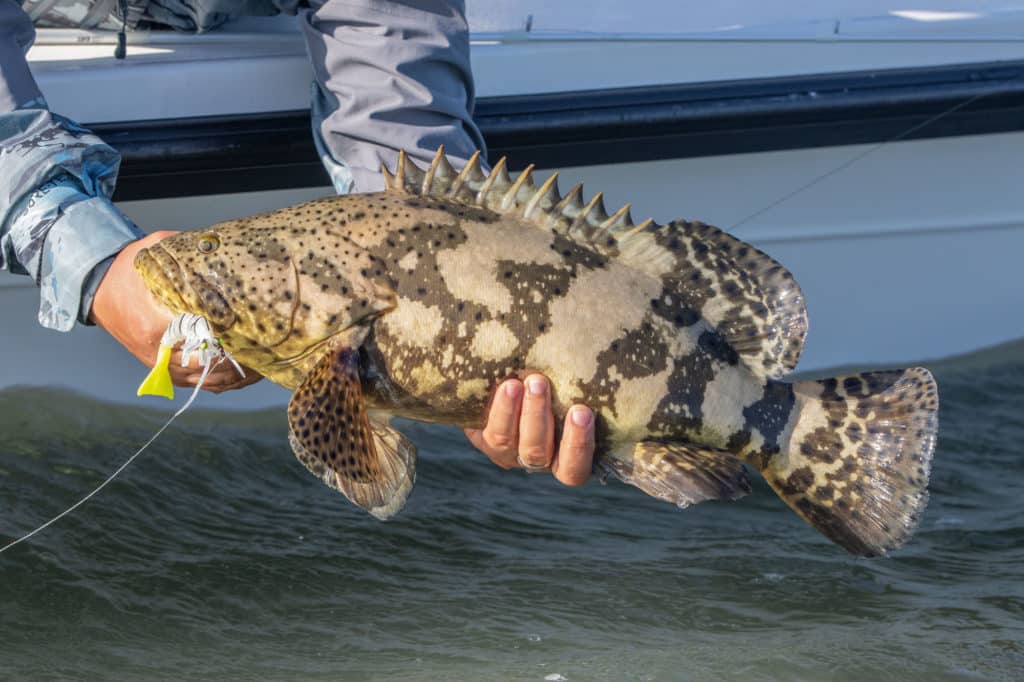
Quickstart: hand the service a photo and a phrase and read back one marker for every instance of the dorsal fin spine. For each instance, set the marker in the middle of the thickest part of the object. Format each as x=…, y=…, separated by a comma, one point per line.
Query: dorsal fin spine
x=428, y=177
x=524, y=179
x=619, y=220
x=412, y=175
x=440, y=173
x=494, y=180
x=637, y=229
x=549, y=190
x=571, y=204
x=594, y=212
x=399, y=171
x=400, y=168
x=389, y=179
x=466, y=175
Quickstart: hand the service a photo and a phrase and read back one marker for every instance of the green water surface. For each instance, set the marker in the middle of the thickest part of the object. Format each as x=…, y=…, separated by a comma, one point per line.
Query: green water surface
x=217, y=556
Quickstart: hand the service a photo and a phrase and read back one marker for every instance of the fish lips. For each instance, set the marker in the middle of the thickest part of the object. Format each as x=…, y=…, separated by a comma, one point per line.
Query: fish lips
x=181, y=291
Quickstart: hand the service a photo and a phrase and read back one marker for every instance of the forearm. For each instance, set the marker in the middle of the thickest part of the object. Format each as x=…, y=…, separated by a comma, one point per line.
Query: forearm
x=57, y=223
x=389, y=76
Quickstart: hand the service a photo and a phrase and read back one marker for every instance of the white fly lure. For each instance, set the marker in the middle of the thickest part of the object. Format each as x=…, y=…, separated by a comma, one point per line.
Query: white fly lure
x=195, y=336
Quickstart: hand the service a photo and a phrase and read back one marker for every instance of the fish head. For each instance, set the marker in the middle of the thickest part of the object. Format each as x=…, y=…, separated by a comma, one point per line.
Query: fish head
x=276, y=289
x=180, y=273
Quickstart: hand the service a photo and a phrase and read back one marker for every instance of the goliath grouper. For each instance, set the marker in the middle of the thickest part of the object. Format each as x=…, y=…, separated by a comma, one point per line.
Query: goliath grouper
x=417, y=301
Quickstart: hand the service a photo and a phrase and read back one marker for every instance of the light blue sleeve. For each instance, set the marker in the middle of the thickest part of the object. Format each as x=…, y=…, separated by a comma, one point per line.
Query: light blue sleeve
x=57, y=223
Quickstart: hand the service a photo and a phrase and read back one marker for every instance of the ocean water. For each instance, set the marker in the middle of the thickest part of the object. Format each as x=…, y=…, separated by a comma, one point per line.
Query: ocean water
x=216, y=556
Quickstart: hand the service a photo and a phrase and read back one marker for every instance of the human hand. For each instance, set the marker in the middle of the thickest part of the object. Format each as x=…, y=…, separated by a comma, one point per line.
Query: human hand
x=520, y=432
x=124, y=307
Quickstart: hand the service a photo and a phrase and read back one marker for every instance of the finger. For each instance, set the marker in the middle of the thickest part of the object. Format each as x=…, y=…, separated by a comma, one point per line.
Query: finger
x=183, y=375
x=230, y=382
x=221, y=378
x=575, y=458
x=188, y=378
x=536, y=424
x=498, y=440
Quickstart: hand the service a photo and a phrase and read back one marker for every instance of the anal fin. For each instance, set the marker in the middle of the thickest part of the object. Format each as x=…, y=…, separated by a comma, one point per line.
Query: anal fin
x=331, y=433
x=680, y=473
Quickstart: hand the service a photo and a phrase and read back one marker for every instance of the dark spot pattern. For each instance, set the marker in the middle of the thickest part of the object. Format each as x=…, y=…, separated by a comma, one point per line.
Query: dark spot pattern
x=637, y=353
x=576, y=254
x=677, y=309
x=680, y=411
x=769, y=415
x=345, y=447
x=763, y=314
x=715, y=346
x=531, y=286
x=864, y=484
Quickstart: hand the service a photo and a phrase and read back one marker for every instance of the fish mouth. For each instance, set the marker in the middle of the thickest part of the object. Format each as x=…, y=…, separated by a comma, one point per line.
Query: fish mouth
x=163, y=276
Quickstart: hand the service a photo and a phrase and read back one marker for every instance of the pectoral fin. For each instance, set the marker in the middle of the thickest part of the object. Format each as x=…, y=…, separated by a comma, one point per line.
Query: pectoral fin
x=680, y=473
x=331, y=433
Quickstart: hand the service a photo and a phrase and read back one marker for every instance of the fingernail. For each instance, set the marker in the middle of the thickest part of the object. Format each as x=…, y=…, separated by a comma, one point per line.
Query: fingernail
x=513, y=389
x=536, y=386
x=581, y=416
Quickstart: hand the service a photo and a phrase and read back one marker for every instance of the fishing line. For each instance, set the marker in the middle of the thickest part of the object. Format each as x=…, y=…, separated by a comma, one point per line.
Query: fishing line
x=860, y=155
x=210, y=365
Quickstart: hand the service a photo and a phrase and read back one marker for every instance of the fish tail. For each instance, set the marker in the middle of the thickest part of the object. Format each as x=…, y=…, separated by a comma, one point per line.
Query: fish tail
x=859, y=456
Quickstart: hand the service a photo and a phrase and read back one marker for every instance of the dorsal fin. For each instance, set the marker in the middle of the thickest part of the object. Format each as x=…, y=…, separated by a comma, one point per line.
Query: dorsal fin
x=744, y=294
x=439, y=176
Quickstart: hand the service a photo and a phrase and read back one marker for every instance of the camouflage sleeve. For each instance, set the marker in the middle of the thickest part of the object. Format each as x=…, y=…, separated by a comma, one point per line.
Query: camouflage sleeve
x=57, y=223
x=390, y=75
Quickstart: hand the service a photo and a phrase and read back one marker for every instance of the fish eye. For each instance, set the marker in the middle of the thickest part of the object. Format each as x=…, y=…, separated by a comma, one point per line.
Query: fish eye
x=207, y=244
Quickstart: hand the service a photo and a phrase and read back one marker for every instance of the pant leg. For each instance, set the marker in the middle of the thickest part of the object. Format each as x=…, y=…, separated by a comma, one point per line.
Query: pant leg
x=389, y=76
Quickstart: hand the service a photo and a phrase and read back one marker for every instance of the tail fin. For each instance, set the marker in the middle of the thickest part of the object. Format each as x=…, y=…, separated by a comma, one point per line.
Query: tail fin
x=859, y=457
